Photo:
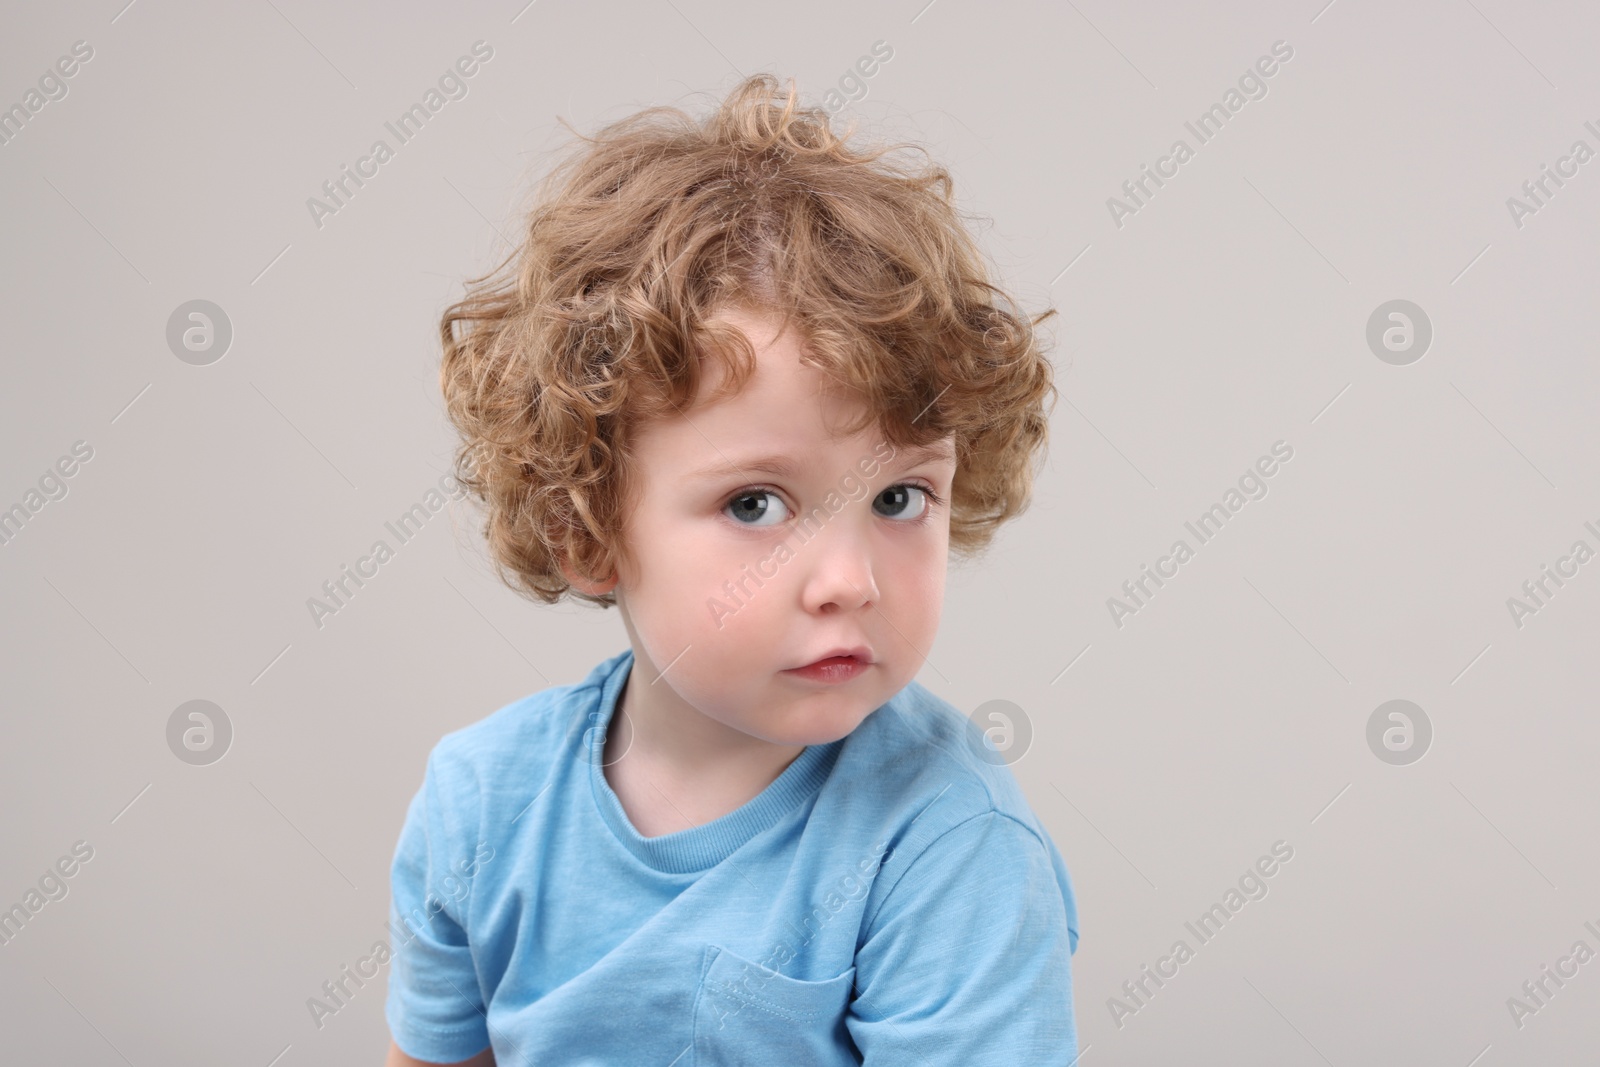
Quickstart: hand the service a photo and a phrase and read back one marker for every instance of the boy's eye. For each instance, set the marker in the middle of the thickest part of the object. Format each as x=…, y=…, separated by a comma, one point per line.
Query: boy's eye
x=898, y=503
x=757, y=507
x=750, y=506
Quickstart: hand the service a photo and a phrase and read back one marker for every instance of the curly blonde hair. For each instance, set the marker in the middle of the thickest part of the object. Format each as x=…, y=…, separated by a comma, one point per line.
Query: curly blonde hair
x=598, y=323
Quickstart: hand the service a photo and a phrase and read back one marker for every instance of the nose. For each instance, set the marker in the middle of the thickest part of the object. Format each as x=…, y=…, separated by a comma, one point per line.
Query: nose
x=839, y=572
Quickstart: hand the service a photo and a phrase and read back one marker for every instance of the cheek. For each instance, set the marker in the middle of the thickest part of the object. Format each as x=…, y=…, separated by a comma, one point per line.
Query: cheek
x=927, y=583
x=688, y=568
x=919, y=577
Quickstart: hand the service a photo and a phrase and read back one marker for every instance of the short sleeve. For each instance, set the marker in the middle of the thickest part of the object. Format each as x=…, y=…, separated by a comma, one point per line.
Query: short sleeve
x=435, y=1007
x=968, y=959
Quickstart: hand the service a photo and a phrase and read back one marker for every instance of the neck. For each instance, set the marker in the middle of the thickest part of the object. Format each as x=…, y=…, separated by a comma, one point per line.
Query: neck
x=654, y=726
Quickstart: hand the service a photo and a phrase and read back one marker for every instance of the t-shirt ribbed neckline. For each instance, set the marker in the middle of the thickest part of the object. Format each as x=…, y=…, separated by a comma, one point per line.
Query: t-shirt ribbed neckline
x=699, y=847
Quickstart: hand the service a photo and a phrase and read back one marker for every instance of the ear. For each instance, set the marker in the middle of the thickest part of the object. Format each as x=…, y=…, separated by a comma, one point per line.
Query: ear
x=586, y=585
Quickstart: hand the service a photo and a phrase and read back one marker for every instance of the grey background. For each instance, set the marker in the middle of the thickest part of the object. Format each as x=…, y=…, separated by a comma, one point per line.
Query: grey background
x=1229, y=313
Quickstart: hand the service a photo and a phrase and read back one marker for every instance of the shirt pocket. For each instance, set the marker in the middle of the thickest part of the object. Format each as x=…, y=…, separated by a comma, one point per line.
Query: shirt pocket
x=745, y=1013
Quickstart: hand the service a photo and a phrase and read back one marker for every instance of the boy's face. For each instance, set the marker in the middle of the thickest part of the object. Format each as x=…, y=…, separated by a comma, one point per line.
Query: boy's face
x=740, y=575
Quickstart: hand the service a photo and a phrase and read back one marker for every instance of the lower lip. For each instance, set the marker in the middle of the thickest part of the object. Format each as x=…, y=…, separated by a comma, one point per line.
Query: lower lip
x=838, y=669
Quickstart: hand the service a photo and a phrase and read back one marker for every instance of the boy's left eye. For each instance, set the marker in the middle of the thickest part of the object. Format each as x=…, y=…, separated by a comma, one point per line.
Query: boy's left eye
x=898, y=502
x=754, y=506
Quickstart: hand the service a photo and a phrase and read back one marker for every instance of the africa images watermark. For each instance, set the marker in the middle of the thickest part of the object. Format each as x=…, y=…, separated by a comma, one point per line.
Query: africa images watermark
x=410, y=523
x=1252, y=486
x=1252, y=886
x=852, y=83
x=1252, y=86
x=52, y=486
x=452, y=86
x=337, y=990
x=847, y=887
x=1579, y=554
x=52, y=886
x=852, y=489
x=52, y=86
x=1580, y=954
x=1579, y=154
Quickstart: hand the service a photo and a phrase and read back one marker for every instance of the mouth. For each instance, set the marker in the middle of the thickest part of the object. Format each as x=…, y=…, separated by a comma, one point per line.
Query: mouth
x=840, y=665
x=860, y=653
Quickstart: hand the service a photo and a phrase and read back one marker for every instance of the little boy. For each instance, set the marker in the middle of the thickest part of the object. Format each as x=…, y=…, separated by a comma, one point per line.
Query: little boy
x=751, y=386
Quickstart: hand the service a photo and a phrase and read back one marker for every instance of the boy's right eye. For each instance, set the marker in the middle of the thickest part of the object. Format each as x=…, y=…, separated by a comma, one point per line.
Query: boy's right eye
x=749, y=507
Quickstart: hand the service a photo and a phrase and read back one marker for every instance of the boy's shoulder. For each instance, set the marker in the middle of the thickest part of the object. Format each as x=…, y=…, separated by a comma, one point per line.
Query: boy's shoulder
x=920, y=756
x=511, y=741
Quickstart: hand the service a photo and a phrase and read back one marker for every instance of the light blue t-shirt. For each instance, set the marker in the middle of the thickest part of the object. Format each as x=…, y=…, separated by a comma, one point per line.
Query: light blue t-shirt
x=889, y=898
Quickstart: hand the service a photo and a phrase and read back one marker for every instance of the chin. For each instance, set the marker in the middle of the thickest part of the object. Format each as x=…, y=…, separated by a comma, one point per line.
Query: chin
x=822, y=729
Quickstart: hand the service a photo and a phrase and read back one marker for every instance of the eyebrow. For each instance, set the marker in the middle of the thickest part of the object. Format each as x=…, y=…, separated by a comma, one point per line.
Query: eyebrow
x=784, y=467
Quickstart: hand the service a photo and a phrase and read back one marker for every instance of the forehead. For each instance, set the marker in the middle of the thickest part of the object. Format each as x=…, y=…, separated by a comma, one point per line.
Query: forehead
x=785, y=419
x=794, y=464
